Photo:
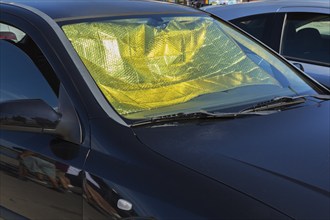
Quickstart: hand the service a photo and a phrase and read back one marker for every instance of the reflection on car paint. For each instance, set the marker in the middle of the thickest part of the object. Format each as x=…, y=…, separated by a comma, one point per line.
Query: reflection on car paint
x=101, y=196
x=37, y=187
x=57, y=187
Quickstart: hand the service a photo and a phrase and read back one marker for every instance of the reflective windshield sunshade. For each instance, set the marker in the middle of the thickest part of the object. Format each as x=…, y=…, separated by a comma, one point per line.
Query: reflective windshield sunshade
x=147, y=63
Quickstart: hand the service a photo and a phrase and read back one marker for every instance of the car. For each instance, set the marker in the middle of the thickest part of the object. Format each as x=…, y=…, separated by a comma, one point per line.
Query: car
x=297, y=29
x=10, y=33
x=222, y=2
x=151, y=110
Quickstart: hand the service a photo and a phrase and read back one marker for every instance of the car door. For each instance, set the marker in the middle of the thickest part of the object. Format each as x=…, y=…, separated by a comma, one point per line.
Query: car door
x=306, y=40
x=42, y=147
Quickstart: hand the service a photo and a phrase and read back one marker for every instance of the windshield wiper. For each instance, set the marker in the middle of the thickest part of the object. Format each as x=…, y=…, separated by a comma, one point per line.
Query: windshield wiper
x=282, y=101
x=264, y=108
x=199, y=115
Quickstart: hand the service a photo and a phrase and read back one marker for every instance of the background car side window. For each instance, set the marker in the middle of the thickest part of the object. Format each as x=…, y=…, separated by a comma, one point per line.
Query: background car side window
x=256, y=25
x=33, y=78
x=10, y=33
x=306, y=36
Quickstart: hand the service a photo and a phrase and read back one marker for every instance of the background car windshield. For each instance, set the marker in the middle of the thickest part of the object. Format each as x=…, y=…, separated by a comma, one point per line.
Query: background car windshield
x=160, y=65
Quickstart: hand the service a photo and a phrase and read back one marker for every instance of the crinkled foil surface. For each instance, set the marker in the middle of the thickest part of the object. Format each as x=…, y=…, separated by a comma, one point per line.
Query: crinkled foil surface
x=141, y=66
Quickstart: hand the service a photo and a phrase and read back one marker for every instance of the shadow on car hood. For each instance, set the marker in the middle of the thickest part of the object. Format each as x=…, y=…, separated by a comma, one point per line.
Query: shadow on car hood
x=281, y=159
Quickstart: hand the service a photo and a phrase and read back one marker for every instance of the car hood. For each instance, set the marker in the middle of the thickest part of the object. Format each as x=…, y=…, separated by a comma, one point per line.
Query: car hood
x=261, y=156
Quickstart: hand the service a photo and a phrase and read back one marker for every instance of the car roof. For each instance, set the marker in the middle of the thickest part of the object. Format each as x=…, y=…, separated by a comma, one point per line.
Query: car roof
x=229, y=12
x=61, y=10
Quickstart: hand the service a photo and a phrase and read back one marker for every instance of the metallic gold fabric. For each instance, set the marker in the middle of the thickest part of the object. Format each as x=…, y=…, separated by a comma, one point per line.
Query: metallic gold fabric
x=141, y=65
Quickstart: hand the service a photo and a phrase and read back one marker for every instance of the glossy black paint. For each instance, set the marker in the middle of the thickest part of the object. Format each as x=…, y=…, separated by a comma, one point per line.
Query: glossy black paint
x=249, y=168
x=35, y=113
x=258, y=156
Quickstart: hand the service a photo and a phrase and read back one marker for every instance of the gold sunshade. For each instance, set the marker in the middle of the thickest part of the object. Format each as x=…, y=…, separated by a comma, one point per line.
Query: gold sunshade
x=140, y=65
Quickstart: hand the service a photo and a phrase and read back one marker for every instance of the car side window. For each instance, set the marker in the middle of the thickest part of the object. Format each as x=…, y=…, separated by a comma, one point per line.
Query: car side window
x=255, y=25
x=25, y=72
x=10, y=33
x=306, y=36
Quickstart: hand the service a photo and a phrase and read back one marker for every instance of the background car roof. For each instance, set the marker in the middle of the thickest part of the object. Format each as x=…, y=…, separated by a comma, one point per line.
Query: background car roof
x=62, y=10
x=229, y=12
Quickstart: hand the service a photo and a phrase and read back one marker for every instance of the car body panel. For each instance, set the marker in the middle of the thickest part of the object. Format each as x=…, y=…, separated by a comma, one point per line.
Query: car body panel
x=255, y=159
x=315, y=71
x=88, y=9
x=314, y=8
x=261, y=7
x=159, y=187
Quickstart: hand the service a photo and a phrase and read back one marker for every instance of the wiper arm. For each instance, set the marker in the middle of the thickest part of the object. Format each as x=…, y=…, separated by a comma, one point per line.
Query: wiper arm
x=263, y=108
x=316, y=96
x=206, y=114
x=202, y=114
x=283, y=101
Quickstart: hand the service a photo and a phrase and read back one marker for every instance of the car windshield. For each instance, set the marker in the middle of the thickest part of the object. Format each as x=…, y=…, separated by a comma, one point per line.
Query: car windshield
x=160, y=65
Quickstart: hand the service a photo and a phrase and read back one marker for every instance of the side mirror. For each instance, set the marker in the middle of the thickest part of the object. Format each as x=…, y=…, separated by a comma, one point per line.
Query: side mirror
x=28, y=114
x=35, y=115
x=299, y=66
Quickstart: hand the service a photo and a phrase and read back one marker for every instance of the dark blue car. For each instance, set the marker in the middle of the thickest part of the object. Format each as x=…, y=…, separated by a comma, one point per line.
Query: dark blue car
x=149, y=110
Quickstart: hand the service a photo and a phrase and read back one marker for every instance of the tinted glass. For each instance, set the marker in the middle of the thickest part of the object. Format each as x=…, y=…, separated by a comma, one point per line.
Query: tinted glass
x=307, y=36
x=255, y=25
x=20, y=77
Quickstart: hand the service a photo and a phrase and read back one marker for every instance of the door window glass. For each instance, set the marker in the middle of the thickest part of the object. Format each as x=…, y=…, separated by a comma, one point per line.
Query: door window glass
x=307, y=36
x=25, y=74
x=255, y=25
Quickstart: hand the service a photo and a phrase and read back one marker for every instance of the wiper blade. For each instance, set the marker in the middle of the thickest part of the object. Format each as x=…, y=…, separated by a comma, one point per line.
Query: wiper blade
x=316, y=96
x=202, y=114
x=206, y=114
x=264, y=108
x=283, y=101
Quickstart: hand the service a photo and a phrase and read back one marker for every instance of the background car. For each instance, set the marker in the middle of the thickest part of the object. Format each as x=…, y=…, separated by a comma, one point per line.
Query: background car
x=137, y=109
x=298, y=30
x=10, y=33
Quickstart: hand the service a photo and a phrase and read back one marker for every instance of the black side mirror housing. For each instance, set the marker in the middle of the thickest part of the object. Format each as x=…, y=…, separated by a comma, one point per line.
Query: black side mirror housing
x=28, y=113
x=299, y=66
x=35, y=115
